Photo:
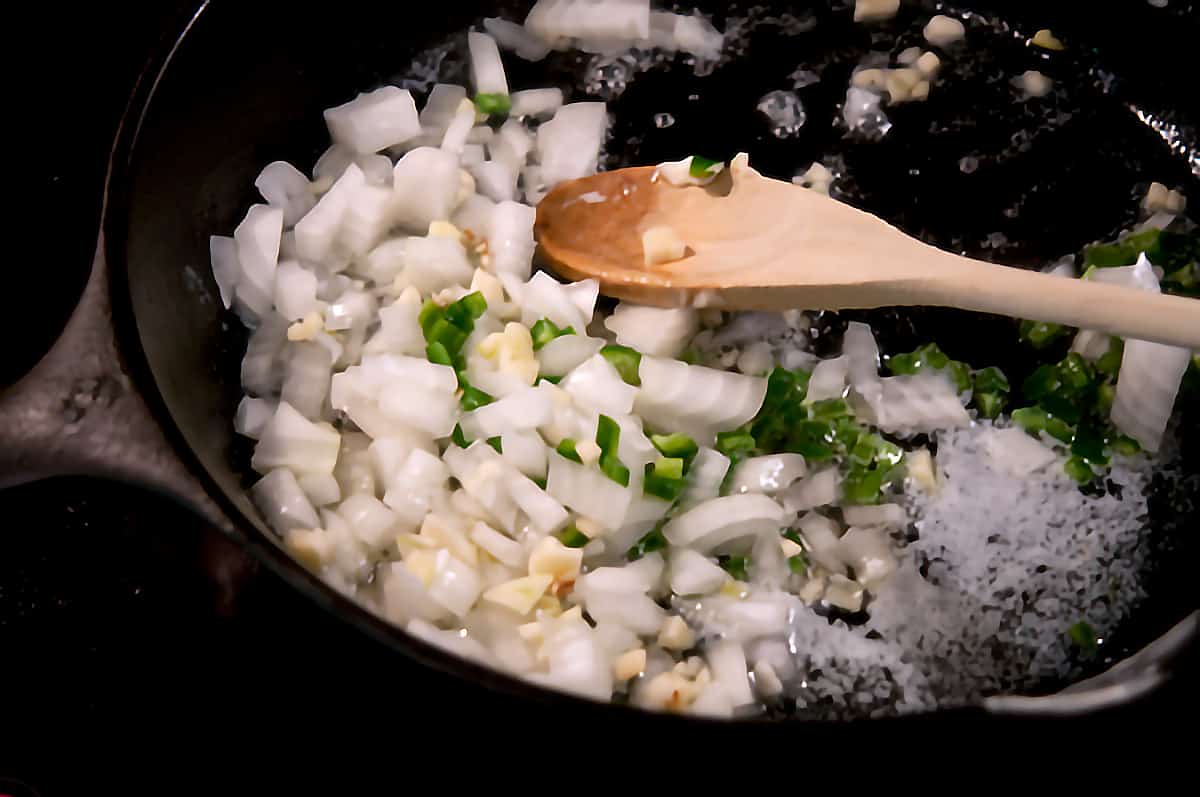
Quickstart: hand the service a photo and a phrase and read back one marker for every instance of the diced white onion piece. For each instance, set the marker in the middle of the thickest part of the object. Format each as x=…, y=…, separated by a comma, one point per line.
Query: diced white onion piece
x=729, y=523
x=727, y=662
x=404, y=596
x=536, y=102
x=698, y=401
x=506, y=550
x=828, y=380
x=257, y=239
x=514, y=37
x=696, y=35
x=512, y=145
x=526, y=452
x=1139, y=276
x=637, y=612
x=569, y=144
x=456, y=585
x=318, y=231
x=886, y=515
x=588, y=492
x=367, y=219
x=565, y=353
x=1147, y=385
x=597, y=384
x=819, y=489
x=322, y=489
x=692, y=573
x=660, y=332
x=679, y=173
x=510, y=239
x=354, y=309
x=768, y=474
x=1014, y=452
x=920, y=403
x=472, y=155
x=434, y=263
x=862, y=354
x=290, y=440
x=545, y=514
x=609, y=20
x=821, y=538
x=374, y=121
x=459, y=128
x=281, y=500
x=533, y=184
x=285, y=187
x=487, y=70
x=295, y=291
x=527, y=409
x=705, y=478
x=444, y=101
x=425, y=183
x=869, y=552
x=306, y=379
x=399, y=330
x=1091, y=344
x=376, y=168
x=475, y=214
x=482, y=474
x=227, y=271
x=372, y=523
x=329, y=167
x=495, y=180
x=253, y=415
x=261, y=372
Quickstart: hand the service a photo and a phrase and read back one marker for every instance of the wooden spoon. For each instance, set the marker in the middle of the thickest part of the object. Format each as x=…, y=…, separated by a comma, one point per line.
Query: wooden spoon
x=762, y=244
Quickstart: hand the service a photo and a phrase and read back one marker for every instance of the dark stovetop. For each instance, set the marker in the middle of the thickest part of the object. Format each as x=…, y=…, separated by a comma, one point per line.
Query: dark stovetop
x=124, y=618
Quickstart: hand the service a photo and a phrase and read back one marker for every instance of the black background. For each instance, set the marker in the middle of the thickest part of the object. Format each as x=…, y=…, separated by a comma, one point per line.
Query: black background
x=131, y=635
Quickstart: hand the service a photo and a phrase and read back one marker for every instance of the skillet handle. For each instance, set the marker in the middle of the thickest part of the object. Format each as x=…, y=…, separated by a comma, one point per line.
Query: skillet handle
x=78, y=412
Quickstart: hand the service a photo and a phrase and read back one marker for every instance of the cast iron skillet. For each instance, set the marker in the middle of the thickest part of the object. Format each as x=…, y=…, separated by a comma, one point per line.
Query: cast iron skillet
x=143, y=384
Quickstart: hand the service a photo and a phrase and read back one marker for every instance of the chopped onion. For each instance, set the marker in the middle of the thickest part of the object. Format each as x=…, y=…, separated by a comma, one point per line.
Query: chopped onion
x=322, y=489
x=819, y=489
x=862, y=354
x=434, y=263
x=588, y=492
x=514, y=37
x=279, y=497
x=536, y=102
x=399, y=330
x=698, y=401
x=374, y=121
x=869, y=552
x=475, y=215
x=306, y=379
x=510, y=239
x=295, y=291
x=569, y=144
x=620, y=21
x=290, y=440
x=1147, y=385
x=521, y=411
x=459, y=128
x=564, y=353
x=525, y=451
x=727, y=662
x=372, y=523
x=261, y=371
x=705, y=478
x=886, y=515
x=597, y=384
x=285, y=187
x=257, y=239
x=253, y=415
x=487, y=70
x=318, y=231
x=545, y=514
x=368, y=217
x=828, y=380
x=821, y=539
x=404, y=596
x=425, y=185
x=660, y=332
x=1014, y=452
x=729, y=523
x=456, y=585
x=329, y=167
x=496, y=180
x=921, y=403
x=767, y=474
x=481, y=472
x=692, y=573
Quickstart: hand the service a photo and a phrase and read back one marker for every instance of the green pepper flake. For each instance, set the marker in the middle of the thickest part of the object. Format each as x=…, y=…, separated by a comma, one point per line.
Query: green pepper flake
x=664, y=478
x=627, y=361
x=473, y=398
x=863, y=485
x=493, y=104
x=1079, y=470
x=990, y=405
x=1075, y=373
x=676, y=445
x=1084, y=637
x=739, y=441
x=651, y=542
x=1088, y=445
x=1041, y=334
x=814, y=440
x=702, y=167
x=567, y=450
x=1124, y=252
x=572, y=537
x=960, y=374
x=991, y=380
x=458, y=437
x=735, y=566
x=495, y=443
x=1125, y=446
x=1109, y=363
x=429, y=315
x=798, y=564
x=466, y=311
x=545, y=331
x=608, y=438
x=828, y=409
x=436, y=353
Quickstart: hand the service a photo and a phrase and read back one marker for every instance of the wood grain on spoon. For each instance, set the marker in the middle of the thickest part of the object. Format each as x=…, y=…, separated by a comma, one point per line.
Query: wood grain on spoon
x=757, y=243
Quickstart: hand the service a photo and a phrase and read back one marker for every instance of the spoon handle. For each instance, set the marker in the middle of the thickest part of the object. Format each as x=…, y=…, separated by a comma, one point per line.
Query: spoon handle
x=1004, y=290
